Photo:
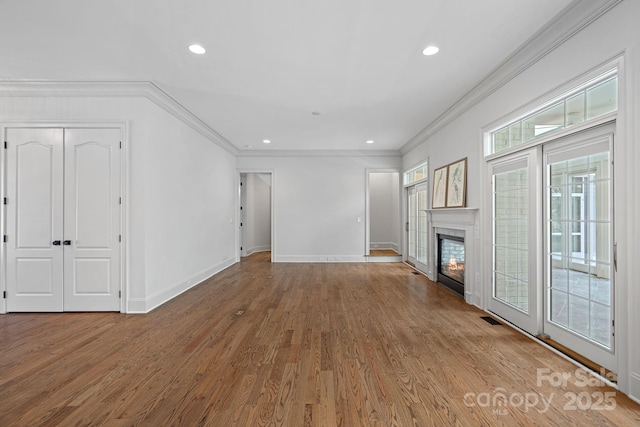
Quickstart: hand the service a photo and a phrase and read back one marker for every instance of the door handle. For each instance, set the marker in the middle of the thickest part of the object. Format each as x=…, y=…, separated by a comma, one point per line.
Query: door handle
x=56, y=243
x=67, y=242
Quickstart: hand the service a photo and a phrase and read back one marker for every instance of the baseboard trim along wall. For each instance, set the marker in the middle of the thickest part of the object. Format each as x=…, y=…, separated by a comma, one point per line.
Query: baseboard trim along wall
x=141, y=306
x=385, y=245
x=263, y=248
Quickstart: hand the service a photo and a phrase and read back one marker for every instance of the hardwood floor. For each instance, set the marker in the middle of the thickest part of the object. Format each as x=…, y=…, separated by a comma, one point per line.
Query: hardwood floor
x=383, y=252
x=292, y=345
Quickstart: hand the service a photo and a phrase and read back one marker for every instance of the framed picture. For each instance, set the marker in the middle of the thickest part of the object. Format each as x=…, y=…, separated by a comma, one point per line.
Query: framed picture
x=457, y=184
x=439, y=195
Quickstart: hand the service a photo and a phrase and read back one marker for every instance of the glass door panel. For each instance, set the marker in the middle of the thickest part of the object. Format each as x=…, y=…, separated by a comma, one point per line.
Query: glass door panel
x=514, y=294
x=417, y=228
x=579, y=270
x=422, y=240
x=412, y=223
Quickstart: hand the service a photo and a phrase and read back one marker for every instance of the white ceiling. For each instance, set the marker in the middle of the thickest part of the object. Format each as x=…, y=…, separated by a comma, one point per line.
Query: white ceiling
x=271, y=63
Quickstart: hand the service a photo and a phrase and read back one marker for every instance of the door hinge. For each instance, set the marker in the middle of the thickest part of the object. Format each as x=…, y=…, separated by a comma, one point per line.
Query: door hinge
x=121, y=145
x=6, y=200
x=119, y=294
x=120, y=200
x=5, y=239
x=4, y=294
x=5, y=145
x=613, y=328
x=119, y=237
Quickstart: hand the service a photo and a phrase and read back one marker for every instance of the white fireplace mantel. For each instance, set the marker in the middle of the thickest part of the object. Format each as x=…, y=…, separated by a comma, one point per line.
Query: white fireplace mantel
x=465, y=221
x=459, y=216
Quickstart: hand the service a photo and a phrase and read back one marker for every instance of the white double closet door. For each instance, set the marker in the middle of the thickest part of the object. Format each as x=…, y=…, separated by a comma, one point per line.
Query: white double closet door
x=63, y=219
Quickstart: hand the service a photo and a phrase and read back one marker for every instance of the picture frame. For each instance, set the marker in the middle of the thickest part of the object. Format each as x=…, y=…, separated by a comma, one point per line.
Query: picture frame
x=439, y=194
x=457, y=184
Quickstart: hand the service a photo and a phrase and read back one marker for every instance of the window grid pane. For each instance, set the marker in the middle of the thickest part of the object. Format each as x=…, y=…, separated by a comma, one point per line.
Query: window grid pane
x=510, y=248
x=578, y=246
x=416, y=174
x=587, y=103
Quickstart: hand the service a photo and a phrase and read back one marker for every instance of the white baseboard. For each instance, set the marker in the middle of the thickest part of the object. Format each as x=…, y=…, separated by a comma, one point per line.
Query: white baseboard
x=320, y=258
x=262, y=248
x=140, y=305
x=384, y=245
x=634, y=387
x=136, y=306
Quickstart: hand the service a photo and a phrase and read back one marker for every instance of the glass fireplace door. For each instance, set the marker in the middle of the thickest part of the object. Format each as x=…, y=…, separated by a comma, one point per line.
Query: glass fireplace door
x=451, y=262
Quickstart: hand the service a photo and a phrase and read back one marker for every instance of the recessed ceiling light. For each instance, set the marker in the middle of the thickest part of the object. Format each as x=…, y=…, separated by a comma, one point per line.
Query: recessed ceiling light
x=197, y=49
x=430, y=50
x=370, y=141
x=266, y=141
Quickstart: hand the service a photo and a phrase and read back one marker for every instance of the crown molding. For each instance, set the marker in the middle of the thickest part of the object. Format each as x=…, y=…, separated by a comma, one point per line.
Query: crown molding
x=115, y=89
x=571, y=20
x=319, y=153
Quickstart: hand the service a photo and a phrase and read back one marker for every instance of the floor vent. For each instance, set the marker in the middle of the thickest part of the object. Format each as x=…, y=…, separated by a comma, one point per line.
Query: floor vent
x=490, y=320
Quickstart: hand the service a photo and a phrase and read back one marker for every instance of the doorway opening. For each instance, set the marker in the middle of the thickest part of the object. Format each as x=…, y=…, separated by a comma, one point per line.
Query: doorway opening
x=383, y=242
x=256, y=217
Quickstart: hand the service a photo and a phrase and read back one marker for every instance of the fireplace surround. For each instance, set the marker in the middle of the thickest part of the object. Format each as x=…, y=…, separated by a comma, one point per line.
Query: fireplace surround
x=461, y=223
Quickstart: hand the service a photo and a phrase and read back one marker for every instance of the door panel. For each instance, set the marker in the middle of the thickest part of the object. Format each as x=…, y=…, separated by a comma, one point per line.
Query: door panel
x=417, y=230
x=92, y=220
x=579, y=270
x=412, y=224
x=515, y=292
x=34, y=219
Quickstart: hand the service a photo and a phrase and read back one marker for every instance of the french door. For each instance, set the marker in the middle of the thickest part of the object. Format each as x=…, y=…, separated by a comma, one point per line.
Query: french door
x=63, y=219
x=417, y=233
x=515, y=294
x=553, y=263
x=579, y=255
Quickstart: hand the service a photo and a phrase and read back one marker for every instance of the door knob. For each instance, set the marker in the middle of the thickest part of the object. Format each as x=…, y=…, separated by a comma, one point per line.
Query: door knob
x=67, y=242
x=56, y=243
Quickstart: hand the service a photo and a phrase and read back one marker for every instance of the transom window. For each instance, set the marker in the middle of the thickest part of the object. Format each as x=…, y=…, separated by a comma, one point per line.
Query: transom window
x=417, y=174
x=593, y=99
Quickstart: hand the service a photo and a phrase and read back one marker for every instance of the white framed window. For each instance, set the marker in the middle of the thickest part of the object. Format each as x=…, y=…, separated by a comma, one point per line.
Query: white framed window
x=587, y=102
x=417, y=174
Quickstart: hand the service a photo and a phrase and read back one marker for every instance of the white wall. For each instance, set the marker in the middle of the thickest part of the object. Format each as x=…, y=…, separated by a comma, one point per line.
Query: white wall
x=384, y=207
x=180, y=191
x=317, y=203
x=614, y=33
x=190, y=197
x=258, y=219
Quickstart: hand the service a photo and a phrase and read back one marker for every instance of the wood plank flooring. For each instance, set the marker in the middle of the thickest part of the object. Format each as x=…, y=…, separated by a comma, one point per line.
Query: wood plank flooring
x=383, y=252
x=293, y=345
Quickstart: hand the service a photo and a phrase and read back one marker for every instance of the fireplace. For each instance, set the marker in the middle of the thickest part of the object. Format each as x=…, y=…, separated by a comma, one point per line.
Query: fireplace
x=451, y=262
